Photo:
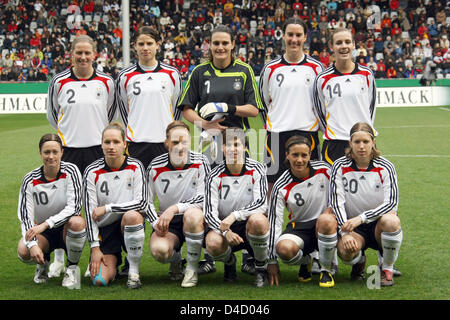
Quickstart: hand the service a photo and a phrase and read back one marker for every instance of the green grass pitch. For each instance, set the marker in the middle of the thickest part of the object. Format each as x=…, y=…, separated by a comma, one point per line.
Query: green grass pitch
x=416, y=140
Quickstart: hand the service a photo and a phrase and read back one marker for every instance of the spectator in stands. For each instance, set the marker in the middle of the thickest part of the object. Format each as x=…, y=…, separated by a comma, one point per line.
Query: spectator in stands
x=391, y=72
x=410, y=73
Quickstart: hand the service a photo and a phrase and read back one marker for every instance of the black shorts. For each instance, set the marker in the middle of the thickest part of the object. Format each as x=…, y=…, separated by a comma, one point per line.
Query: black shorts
x=275, y=152
x=82, y=157
x=55, y=238
x=145, y=152
x=367, y=231
x=333, y=150
x=307, y=232
x=111, y=240
x=176, y=227
x=239, y=227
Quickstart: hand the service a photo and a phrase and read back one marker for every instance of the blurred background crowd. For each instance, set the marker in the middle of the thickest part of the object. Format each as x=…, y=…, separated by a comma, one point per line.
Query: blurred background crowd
x=396, y=39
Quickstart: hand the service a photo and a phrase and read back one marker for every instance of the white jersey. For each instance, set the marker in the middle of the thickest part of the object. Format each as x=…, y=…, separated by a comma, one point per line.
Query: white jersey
x=184, y=187
x=242, y=195
x=287, y=93
x=147, y=101
x=53, y=201
x=304, y=199
x=120, y=190
x=341, y=100
x=366, y=193
x=79, y=109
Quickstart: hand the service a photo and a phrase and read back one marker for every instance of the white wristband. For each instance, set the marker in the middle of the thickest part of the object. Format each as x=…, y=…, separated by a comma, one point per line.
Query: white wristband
x=225, y=232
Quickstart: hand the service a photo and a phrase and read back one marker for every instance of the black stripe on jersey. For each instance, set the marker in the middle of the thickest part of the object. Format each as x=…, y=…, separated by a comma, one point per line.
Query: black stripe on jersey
x=282, y=181
x=213, y=222
x=393, y=196
x=264, y=111
x=337, y=165
x=317, y=102
x=51, y=87
x=374, y=93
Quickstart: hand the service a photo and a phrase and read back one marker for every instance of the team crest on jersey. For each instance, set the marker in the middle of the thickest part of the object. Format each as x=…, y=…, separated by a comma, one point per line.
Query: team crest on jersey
x=308, y=79
x=377, y=187
x=129, y=183
x=237, y=85
x=98, y=93
x=362, y=86
x=163, y=85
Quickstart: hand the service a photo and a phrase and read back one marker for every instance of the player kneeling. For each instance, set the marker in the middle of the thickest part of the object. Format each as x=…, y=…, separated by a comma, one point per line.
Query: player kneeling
x=49, y=212
x=235, y=207
x=177, y=179
x=364, y=198
x=303, y=190
x=115, y=194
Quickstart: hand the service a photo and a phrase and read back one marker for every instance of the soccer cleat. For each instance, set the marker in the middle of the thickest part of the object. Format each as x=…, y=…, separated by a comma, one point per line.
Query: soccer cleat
x=205, y=266
x=326, y=279
x=261, y=279
x=190, y=279
x=304, y=273
x=248, y=266
x=176, y=270
x=230, y=274
x=72, y=278
x=357, y=273
x=387, y=278
x=316, y=267
x=41, y=273
x=55, y=269
x=396, y=272
x=133, y=282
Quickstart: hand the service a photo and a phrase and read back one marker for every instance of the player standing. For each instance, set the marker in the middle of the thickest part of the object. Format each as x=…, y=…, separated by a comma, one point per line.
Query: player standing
x=223, y=85
x=177, y=178
x=80, y=104
x=147, y=94
x=344, y=94
x=49, y=213
x=364, y=198
x=115, y=194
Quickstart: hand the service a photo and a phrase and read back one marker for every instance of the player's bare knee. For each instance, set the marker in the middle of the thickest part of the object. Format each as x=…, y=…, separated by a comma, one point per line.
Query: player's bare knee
x=215, y=246
x=131, y=218
x=193, y=218
x=258, y=224
x=76, y=223
x=326, y=223
x=286, y=249
x=161, y=252
x=389, y=223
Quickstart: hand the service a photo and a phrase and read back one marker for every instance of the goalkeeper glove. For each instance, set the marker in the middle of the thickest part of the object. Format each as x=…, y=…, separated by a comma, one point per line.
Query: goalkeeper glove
x=212, y=108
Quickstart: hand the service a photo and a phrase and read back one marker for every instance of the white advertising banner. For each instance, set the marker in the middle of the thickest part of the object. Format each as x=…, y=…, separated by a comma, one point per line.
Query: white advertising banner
x=413, y=97
x=23, y=103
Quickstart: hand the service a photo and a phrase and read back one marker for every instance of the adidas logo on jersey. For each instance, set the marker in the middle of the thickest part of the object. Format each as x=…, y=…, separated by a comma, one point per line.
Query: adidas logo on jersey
x=150, y=78
x=180, y=176
x=236, y=182
x=348, y=80
x=294, y=70
x=206, y=73
x=84, y=85
x=362, y=178
x=309, y=184
x=116, y=177
x=54, y=187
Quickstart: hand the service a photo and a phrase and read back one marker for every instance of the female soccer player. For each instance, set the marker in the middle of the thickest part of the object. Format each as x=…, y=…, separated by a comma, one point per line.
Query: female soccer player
x=115, y=194
x=222, y=87
x=80, y=104
x=147, y=95
x=364, y=198
x=344, y=94
x=177, y=178
x=234, y=208
x=49, y=213
x=286, y=88
x=302, y=190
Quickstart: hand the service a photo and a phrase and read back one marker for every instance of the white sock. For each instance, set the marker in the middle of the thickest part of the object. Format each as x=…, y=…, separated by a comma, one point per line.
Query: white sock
x=194, y=242
x=75, y=241
x=391, y=243
x=314, y=254
x=259, y=245
x=327, y=248
x=59, y=255
x=134, y=237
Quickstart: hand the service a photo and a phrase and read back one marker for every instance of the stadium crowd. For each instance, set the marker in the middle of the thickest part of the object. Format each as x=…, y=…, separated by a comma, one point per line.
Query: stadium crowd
x=395, y=39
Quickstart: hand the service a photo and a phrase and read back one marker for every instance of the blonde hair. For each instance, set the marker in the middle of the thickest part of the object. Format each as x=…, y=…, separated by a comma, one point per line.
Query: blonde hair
x=83, y=38
x=117, y=126
x=362, y=127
